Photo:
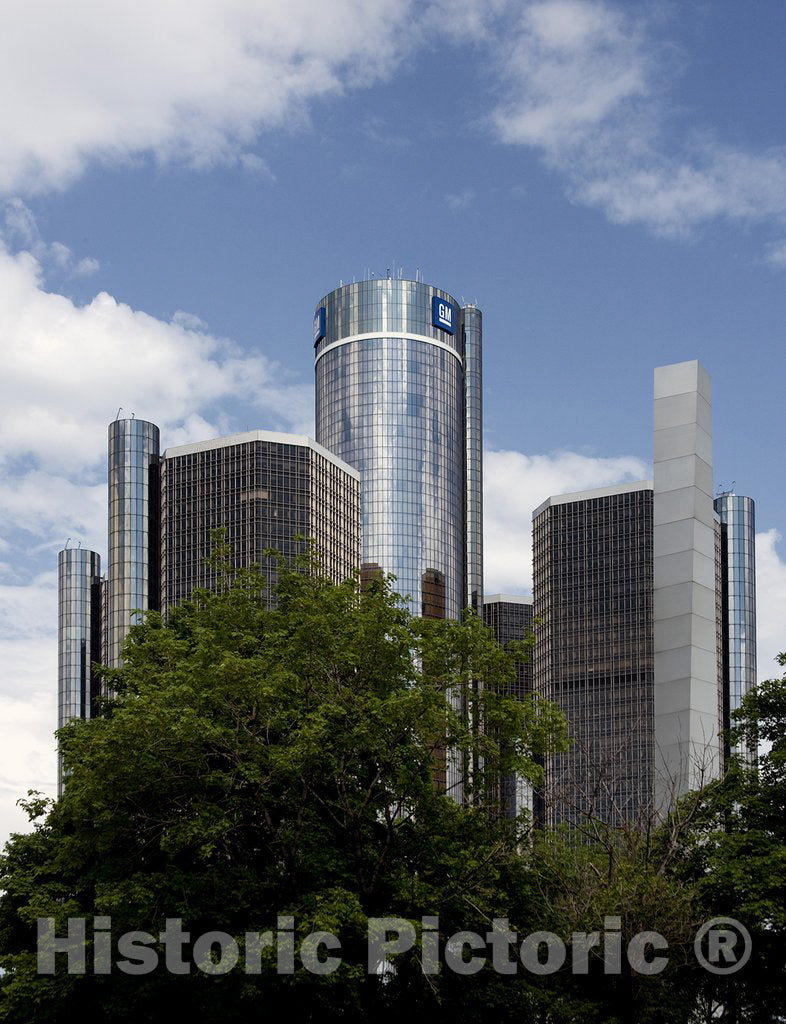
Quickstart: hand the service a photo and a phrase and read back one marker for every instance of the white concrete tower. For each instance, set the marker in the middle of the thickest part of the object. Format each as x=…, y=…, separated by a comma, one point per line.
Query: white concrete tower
x=687, y=746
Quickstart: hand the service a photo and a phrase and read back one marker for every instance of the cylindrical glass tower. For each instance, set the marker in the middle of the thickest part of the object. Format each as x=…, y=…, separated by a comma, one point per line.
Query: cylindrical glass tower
x=472, y=336
x=78, y=635
x=398, y=398
x=738, y=561
x=134, y=527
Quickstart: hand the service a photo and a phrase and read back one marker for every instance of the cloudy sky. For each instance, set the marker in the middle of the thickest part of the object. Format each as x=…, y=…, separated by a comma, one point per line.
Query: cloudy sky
x=181, y=182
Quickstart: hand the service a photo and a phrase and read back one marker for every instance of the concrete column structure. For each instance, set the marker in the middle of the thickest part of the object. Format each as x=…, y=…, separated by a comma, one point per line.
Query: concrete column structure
x=687, y=746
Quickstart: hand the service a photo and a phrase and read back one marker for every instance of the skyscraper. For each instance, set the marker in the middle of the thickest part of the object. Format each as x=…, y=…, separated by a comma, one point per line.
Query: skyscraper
x=78, y=635
x=510, y=617
x=594, y=656
x=266, y=489
x=629, y=583
x=134, y=527
x=738, y=596
x=398, y=396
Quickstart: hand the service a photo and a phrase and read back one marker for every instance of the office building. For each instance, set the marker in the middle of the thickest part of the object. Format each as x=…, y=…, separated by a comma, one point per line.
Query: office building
x=510, y=618
x=398, y=396
x=134, y=528
x=267, y=490
x=594, y=655
x=637, y=587
x=78, y=636
x=737, y=516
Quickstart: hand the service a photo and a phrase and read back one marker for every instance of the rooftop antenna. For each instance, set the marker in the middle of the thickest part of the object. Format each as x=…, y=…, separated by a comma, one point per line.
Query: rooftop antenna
x=119, y=410
x=79, y=545
x=67, y=543
x=132, y=415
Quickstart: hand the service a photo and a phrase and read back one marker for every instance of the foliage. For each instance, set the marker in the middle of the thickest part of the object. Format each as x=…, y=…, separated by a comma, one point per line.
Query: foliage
x=734, y=856
x=254, y=764
x=257, y=762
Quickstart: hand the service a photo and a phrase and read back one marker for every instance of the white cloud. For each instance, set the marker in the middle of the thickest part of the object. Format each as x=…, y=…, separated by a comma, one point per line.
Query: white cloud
x=572, y=66
x=28, y=758
x=515, y=484
x=460, y=200
x=770, y=604
x=68, y=368
x=255, y=164
x=585, y=85
x=52, y=508
x=28, y=612
x=190, y=80
x=20, y=230
x=28, y=696
x=776, y=255
x=460, y=21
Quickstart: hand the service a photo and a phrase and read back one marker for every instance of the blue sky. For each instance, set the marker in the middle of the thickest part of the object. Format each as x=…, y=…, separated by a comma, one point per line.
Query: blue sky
x=180, y=183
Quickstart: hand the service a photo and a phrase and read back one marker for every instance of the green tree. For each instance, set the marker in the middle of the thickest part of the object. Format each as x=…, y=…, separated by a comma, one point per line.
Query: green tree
x=734, y=855
x=255, y=763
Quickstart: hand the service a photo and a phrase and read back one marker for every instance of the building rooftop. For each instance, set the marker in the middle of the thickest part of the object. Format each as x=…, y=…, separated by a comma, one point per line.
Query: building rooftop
x=270, y=436
x=600, y=492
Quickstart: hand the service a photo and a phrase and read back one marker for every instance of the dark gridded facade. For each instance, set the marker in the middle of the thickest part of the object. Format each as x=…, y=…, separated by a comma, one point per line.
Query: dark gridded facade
x=510, y=618
x=593, y=592
x=266, y=490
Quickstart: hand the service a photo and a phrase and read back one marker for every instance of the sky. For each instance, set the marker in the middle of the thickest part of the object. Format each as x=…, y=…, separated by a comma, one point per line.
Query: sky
x=180, y=183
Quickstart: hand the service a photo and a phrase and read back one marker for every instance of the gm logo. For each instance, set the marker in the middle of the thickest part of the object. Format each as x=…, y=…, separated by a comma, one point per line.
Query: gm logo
x=319, y=324
x=443, y=314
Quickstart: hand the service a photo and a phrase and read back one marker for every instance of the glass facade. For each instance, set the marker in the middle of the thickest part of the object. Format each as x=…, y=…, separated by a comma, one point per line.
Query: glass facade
x=738, y=595
x=594, y=656
x=78, y=635
x=398, y=398
x=472, y=327
x=265, y=489
x=134, y=527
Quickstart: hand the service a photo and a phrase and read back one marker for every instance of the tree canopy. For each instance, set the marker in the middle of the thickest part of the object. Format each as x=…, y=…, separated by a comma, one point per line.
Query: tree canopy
x=269, y=774
x=255, y=763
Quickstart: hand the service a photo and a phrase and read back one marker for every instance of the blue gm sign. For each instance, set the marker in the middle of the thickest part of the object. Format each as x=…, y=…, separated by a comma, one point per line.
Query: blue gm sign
x=443, y=314
x=319, y=324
